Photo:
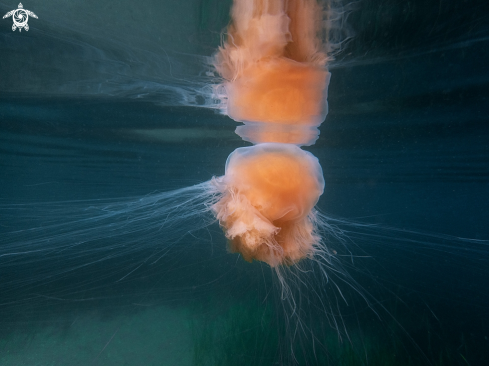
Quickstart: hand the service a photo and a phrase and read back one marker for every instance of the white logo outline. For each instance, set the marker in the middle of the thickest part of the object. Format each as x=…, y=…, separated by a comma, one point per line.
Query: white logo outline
x=20, y=17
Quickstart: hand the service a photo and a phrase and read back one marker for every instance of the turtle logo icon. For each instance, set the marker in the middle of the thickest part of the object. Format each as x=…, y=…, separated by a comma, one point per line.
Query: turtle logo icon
x=20, y=17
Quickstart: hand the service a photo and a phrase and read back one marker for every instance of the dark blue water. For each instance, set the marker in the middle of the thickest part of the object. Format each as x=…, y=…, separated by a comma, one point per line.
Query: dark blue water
x=405, y=147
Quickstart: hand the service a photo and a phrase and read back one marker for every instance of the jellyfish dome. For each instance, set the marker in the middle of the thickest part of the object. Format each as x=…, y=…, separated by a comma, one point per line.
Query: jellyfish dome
x=267, y=198
x=274, y=73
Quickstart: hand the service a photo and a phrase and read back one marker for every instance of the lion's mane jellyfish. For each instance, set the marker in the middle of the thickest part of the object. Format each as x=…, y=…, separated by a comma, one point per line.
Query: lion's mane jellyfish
x=268, y=195
x=276, y=83
x=273, y=66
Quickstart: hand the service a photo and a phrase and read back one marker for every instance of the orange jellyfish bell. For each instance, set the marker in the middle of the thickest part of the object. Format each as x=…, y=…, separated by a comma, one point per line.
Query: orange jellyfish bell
x=279, y=91
x=267, y=198
x=274, y=66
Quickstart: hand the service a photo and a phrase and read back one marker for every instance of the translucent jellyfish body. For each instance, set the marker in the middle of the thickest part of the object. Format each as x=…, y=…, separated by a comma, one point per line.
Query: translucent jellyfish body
x=274, y=69
x=279, y=91
x=267, y=198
